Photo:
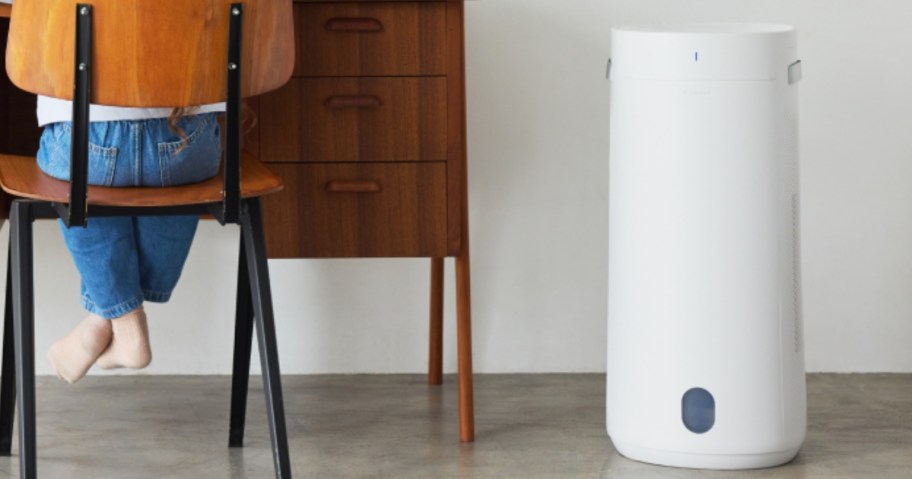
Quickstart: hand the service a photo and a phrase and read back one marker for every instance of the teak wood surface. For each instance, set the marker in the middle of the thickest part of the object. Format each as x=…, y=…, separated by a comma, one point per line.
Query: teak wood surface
x=21, y=177
x=355, y=119
x=142, y=68
x=378, y=90
x=362, y=209
x=391, y=95
x=371, y=39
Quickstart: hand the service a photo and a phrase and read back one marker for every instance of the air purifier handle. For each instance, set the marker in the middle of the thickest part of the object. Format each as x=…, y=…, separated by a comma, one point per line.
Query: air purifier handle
x=794, y=72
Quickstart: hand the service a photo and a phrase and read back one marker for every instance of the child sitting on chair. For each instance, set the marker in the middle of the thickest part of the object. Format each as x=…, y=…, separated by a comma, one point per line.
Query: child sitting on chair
x=125, y=261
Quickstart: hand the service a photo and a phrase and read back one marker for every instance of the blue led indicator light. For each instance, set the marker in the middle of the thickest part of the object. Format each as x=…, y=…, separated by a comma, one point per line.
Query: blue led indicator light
x=696, y=56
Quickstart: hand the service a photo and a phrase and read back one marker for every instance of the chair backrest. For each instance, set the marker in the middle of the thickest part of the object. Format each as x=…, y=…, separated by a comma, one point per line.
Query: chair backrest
x=150, y=53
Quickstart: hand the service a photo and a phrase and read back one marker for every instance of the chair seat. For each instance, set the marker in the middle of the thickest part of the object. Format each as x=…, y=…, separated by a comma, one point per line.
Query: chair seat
x=21, y=177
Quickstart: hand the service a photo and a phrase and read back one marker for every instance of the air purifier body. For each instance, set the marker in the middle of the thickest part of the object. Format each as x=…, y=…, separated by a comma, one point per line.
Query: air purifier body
x=705, y=364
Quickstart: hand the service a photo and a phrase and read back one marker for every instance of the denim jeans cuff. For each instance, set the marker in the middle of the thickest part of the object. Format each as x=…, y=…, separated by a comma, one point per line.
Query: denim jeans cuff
x=113, y=312
x=156, y=296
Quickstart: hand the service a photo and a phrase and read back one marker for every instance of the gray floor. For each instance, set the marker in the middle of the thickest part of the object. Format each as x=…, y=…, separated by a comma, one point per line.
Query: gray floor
x=528, y=426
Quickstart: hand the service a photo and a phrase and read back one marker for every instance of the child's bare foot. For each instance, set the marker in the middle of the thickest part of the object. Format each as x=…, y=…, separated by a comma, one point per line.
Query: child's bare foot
x=129, y=346
x=73, y=355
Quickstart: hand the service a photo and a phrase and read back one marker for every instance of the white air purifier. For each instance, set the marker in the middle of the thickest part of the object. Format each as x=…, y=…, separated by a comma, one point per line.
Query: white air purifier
x=705, y=361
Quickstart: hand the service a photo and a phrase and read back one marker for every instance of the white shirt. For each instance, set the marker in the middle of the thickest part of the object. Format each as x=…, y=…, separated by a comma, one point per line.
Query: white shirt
x=54, y=110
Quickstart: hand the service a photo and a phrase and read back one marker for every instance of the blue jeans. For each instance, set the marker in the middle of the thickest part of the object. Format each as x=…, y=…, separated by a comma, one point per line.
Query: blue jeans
x=124, y=261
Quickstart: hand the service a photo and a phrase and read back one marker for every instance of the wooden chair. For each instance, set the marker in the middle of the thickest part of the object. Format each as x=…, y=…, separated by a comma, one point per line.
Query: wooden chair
x=145, y=53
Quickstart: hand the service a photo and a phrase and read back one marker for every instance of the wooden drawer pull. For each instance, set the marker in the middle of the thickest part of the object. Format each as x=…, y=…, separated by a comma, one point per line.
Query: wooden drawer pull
x=353, y=101
x=357, y=25
x=353, y=186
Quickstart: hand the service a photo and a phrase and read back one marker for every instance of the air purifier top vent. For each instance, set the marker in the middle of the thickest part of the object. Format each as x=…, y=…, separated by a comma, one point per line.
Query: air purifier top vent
x=709, y=28
x=703, y=52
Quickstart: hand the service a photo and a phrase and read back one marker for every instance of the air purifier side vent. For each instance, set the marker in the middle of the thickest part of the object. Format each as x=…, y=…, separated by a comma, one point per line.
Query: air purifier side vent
x=796, y=272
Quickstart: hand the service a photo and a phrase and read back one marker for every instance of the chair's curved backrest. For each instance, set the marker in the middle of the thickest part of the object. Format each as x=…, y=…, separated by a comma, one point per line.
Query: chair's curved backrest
x=150, y=53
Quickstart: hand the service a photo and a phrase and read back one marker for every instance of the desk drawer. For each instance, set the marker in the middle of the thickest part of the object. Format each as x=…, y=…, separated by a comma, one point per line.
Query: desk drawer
x=355, y=119
x=370, y=39
x=358, y=210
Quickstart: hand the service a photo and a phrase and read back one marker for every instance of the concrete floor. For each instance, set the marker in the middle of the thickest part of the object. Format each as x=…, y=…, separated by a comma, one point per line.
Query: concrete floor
x=528, y=426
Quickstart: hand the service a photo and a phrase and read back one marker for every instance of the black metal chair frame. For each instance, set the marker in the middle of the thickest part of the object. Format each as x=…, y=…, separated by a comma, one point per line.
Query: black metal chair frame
x=254, y=298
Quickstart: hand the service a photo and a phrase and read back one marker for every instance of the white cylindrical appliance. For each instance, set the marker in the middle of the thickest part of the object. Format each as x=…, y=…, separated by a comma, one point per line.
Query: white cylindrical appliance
x=705, y=361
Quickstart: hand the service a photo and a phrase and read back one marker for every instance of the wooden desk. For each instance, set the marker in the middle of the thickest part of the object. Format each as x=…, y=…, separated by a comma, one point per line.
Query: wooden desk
x=370, y=139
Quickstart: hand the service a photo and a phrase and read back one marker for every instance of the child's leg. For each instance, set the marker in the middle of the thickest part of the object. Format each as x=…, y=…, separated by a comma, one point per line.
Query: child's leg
x=163, y=243
x=105, y=255
x=108, y=262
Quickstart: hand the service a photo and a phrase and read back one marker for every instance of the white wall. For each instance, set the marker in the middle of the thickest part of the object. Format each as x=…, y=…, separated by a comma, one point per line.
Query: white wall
x=538, y=124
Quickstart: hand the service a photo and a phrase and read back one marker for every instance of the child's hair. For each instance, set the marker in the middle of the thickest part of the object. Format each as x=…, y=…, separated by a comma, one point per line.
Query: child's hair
x=248, y=121
x=176, y=115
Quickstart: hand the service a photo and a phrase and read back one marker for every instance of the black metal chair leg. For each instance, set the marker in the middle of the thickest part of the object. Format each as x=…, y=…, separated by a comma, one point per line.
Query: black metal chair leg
x=252, y=228
x=243, y=344
x=24, y=332
x=8, y=371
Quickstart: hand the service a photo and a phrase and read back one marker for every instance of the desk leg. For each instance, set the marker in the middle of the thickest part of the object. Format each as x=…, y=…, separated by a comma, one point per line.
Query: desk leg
x=464, y=346
x=435, y=353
